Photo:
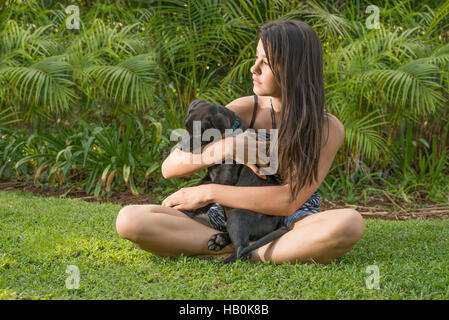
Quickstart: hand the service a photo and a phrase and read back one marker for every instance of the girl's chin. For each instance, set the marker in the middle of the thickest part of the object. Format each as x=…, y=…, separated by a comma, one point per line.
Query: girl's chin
x=257, y=88
x=259, y=92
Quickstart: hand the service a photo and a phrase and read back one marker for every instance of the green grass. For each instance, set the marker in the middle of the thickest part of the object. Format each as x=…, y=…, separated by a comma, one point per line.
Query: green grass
x=41, y=237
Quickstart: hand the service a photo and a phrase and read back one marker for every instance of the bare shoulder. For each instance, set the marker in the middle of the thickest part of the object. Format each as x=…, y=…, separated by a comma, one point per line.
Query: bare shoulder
x=243, y=107
x=336, y=132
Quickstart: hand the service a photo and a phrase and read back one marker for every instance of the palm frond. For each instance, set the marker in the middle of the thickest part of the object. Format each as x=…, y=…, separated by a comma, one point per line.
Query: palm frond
x=110, y=45
x=415, y=84
x=332, y=24
x=361, y=136
x=440, y=57
x=442, y=13
x=131, y=81
x=14, y=38
x=6, y=117
x=45, y=83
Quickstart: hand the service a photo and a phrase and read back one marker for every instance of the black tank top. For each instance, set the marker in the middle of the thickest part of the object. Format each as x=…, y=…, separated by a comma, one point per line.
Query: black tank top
x=273, y=125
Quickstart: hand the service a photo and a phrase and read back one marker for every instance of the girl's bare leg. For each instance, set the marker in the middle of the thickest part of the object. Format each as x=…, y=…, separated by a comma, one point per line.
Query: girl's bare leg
x=165, y=231
x=318, y=238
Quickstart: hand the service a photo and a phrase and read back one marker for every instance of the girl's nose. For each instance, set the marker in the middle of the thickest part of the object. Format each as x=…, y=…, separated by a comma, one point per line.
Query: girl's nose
x=253, y=69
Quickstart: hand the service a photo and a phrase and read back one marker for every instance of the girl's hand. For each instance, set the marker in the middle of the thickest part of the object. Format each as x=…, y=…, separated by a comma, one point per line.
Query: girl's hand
x=248, y=150
x=189, y=198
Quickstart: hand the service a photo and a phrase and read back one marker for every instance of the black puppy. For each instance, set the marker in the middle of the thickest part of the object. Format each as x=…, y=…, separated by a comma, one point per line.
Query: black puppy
x=242, y=225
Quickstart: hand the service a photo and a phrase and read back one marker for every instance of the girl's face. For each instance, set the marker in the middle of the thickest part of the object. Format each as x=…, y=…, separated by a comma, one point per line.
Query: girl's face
x=263, y=78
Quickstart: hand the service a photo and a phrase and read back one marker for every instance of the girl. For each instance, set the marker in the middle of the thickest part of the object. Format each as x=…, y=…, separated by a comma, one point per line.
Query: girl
x=289, y=95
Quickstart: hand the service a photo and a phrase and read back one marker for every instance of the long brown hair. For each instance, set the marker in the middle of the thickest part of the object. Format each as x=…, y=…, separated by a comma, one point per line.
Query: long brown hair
x=294, y=54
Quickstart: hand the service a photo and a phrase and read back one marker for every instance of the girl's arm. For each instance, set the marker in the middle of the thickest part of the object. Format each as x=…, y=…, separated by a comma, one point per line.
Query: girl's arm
x=271, y=200
x=274, y=200
x=180, y=163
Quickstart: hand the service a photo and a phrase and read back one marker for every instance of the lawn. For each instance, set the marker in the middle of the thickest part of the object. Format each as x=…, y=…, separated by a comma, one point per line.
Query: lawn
x=42, y=237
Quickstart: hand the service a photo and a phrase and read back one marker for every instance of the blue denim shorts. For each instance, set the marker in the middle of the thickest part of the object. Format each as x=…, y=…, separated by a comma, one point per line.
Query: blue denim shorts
x=311, y=206
x=217, y=217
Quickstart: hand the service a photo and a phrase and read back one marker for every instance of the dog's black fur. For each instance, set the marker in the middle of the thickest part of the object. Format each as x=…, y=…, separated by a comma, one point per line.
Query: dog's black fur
x=242, y=225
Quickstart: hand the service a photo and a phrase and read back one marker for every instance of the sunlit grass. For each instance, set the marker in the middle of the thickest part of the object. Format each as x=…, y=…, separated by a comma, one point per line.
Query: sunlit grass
x=41, y=237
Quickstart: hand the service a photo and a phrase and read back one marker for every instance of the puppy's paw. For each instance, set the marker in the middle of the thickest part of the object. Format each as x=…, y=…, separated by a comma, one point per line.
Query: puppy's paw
x=232, y=258
x=218, y=241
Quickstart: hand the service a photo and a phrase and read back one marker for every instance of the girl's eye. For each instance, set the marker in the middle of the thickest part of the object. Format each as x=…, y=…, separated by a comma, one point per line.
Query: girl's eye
x=263, y=61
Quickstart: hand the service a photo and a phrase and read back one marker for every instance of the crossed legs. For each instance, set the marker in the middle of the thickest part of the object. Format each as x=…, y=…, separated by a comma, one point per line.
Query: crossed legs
x=318, y=238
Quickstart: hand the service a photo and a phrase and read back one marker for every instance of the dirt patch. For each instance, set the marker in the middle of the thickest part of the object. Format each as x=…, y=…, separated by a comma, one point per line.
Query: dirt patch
x=378, y=207
x=123, y=198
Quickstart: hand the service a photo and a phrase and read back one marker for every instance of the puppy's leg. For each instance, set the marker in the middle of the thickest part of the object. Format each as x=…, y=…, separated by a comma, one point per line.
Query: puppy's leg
x=218, y=241
x=239, y=237
x=264, y=240
x=193, y=213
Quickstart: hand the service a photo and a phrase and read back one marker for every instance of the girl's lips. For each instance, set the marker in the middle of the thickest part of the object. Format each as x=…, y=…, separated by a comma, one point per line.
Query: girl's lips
x=256, y=82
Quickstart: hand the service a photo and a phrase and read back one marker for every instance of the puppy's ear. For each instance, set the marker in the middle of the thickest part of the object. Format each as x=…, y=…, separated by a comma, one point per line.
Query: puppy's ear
x=193, y=105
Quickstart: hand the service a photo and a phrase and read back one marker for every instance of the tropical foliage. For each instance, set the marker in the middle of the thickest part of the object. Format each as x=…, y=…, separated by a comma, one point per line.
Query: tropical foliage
x=95, y=106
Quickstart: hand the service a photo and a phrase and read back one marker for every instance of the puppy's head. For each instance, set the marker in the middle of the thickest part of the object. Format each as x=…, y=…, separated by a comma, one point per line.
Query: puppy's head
x=202, y=116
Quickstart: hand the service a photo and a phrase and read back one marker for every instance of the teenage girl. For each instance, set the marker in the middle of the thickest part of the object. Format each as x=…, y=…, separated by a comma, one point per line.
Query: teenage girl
x=289, y=96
